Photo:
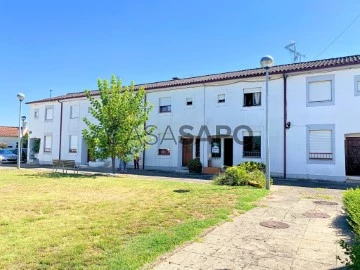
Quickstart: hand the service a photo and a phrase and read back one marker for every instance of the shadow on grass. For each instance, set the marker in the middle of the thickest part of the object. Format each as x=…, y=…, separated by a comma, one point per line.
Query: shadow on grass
x=57, y=175
x=181, y=190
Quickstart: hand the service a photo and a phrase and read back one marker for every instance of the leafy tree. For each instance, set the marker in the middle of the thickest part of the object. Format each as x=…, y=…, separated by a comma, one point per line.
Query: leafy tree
x=121, y=113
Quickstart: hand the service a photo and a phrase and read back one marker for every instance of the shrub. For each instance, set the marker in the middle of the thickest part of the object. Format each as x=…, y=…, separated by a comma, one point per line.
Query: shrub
x=251, y=166
x=3, y=145
x=195, y=166
x=351, y=203
x=240, y=176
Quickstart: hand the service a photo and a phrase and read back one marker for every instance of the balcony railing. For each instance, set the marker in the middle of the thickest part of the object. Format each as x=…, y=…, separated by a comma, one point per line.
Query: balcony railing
x=255, y=154
x=322, y=156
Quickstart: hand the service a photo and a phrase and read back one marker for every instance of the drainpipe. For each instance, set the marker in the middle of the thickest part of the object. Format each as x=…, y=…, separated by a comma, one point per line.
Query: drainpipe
x=285, y=120
x=60, y=135
x=143, y=165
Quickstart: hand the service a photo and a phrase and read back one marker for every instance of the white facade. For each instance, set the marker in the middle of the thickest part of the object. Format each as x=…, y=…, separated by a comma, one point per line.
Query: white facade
x=332, y=108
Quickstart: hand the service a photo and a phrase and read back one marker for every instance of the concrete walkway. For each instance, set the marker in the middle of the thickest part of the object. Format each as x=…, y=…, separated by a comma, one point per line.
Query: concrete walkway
x=308, y=242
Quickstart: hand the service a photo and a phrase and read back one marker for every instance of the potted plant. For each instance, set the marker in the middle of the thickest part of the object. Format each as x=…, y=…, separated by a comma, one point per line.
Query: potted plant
x=195, y=166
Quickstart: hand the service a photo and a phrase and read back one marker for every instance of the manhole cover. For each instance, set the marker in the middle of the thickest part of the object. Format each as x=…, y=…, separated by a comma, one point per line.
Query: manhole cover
x=315, y=214
x=325, y=203
x=274, y=224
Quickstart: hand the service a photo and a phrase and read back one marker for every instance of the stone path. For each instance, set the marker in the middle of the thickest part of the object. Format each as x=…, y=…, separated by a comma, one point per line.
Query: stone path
x=308, y=242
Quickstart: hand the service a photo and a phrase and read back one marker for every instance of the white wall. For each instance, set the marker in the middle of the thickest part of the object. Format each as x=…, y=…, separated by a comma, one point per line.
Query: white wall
x=10, y=141
x=343, y=114
x=206, y=111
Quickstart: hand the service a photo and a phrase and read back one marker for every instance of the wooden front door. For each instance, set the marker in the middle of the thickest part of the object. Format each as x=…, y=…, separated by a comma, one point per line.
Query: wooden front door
x=187, y=151
x=352, y=156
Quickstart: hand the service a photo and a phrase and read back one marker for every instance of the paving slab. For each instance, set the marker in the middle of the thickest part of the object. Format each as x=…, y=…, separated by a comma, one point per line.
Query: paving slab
x=308, y=243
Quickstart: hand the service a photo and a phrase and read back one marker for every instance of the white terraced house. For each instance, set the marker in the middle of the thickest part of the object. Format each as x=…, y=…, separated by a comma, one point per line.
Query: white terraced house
x=314, y=125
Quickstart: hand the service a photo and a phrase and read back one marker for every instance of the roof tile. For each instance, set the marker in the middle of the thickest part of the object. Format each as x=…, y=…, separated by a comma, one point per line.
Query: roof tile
x=288, y=68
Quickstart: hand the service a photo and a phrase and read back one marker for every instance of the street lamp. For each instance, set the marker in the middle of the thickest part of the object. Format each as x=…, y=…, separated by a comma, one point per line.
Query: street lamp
x=267, y=62
x=20, y=97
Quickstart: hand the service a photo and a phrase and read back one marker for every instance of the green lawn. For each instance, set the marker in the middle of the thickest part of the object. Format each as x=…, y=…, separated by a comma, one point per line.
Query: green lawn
x=54, y=221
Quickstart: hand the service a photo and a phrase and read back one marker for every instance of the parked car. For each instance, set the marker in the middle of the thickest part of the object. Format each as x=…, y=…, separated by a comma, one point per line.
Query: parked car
x=24, y=154
x=7, y=156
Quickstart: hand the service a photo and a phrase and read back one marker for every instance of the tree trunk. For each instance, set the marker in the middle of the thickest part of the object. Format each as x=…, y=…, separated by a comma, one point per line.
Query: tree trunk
x=113, y=165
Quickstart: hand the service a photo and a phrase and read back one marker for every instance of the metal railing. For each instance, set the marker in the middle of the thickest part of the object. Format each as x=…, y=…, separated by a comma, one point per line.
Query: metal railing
x=324, y=156
x=252, y=154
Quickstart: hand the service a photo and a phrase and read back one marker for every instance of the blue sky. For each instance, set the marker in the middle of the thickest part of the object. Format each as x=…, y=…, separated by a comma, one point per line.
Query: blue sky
x=67, y=45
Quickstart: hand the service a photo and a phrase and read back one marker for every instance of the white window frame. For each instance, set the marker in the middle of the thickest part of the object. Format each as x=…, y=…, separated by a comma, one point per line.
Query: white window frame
x=252, y=134
x=357, y=85
x=221, y=100
x=165, y=105
x=73, y=149
x=252, y=91
x=320, y=78
x=72, y=116
x=189, y=99
x=47, y=149
x=46, y=113
x=320, y=127
x=36, y=113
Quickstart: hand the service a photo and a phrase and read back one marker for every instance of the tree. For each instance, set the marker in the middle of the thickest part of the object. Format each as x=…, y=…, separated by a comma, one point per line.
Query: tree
x=121, y=113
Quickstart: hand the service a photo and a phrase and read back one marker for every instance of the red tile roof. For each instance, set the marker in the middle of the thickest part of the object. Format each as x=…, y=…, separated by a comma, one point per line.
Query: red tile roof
x=288, y=68
x=8, y=131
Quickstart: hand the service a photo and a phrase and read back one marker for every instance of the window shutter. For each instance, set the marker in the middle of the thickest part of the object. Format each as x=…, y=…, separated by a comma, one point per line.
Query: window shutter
x=74, y=111
x=254, y=133
x=358, y=86
x=73, y=142
x=320, y=141
x=165, y=101
x=49, y=113
x=320, y=91
x=252, y=90
x=48, y=142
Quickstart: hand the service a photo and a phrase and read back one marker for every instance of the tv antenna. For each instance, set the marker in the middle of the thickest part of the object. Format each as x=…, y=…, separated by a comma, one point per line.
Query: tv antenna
x=296, y=57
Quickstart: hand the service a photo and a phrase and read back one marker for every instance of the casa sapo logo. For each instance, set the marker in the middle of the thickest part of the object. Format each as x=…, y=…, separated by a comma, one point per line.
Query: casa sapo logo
x=189, y=132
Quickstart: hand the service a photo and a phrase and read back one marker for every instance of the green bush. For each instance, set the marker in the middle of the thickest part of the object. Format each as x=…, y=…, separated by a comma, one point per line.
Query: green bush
x=195, y=166
x=352, y=207
x=241, y=176
x=251, y=166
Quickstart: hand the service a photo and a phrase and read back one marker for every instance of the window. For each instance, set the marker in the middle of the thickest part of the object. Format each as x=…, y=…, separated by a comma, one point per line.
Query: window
x=357, y=85
x=320, y=144
x=49, y=113
x=74, y=111
x=47, y=143
x=189, y=102
x=164, y=152
x=165, y=105
x=216, y=148
x=252, y=145
x=320, y=90
x=252, y=97
x=73, y=144
x=221, y=98
x=36, y=113
x=89, y=109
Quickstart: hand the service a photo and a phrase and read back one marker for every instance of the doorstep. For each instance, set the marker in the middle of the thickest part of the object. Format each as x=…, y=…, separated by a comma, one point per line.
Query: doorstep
x=353, y=179
x=211, y=170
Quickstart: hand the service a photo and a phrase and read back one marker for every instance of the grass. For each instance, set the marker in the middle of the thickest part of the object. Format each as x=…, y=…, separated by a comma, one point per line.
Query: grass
x=61, y=222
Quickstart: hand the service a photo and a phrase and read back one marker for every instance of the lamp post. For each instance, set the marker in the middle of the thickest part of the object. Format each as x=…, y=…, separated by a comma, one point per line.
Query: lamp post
x=23, y=118
x=267, y=62
x=20, y=97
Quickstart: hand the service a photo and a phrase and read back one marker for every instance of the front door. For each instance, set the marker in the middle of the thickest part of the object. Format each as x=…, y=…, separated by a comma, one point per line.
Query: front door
x=228, y=151
x=352, y=156
x=187, y=151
